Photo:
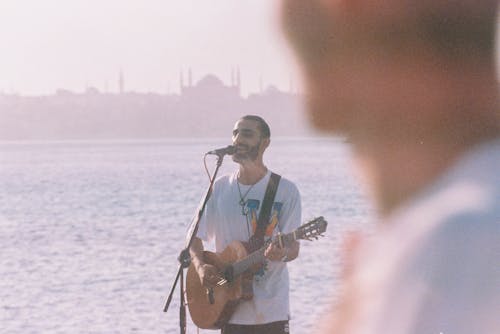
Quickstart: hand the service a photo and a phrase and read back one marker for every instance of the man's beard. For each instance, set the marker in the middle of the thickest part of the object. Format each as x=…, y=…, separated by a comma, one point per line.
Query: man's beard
x=250, y=154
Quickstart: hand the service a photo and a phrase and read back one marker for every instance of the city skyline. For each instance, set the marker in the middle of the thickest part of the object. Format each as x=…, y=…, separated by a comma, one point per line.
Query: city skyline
x=206, y=107
x=174, y=87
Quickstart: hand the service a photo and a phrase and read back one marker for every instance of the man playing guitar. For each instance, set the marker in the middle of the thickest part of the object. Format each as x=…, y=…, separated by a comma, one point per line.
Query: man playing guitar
x=232, y=214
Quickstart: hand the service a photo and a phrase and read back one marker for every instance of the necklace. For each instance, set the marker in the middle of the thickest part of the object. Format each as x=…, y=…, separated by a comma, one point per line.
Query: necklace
x=243, y=201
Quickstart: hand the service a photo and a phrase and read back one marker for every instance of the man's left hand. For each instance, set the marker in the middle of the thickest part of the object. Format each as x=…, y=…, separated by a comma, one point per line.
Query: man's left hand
x=275, y=253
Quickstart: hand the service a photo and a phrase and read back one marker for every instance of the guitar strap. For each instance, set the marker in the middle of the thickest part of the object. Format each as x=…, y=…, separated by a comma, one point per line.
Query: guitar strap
x=256, y=241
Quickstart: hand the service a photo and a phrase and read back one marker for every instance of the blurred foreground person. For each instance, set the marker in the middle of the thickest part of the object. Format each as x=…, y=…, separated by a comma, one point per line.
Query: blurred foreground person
x=412, y=84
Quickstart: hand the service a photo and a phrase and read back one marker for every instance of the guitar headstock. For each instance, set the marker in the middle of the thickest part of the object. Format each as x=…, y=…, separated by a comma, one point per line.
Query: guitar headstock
x=312, y=229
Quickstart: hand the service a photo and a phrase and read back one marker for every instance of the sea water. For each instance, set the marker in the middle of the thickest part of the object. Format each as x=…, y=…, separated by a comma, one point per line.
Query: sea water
x=90, y=231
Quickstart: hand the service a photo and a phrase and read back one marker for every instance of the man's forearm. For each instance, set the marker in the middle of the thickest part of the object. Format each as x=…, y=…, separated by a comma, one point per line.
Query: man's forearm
x=196, y=251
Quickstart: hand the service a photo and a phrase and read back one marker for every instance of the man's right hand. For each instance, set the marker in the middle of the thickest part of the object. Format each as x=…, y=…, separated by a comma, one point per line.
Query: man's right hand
x=209, y=275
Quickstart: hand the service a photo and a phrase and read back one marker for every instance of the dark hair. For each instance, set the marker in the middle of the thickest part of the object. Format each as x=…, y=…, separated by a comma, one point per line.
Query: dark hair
x=263, y=126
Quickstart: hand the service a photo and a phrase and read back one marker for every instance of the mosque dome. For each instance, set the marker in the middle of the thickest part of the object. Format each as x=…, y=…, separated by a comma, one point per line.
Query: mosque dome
x=210, y=81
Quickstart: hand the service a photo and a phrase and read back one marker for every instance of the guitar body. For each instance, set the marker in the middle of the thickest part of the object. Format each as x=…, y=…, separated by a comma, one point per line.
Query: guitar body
x=225, y=298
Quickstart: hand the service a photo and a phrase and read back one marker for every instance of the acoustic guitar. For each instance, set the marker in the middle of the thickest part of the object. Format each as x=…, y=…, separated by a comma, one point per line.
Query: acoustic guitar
x=212, y=308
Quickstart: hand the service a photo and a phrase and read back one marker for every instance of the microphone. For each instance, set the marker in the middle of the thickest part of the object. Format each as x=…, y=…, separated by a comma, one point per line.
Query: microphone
x=230, y=150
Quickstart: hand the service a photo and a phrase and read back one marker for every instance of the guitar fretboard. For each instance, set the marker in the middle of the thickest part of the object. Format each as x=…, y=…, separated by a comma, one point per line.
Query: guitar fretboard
x=257, y=257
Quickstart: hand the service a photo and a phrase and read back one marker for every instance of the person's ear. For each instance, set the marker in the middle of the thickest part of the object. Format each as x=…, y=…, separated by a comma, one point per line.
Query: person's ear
x=265, y=143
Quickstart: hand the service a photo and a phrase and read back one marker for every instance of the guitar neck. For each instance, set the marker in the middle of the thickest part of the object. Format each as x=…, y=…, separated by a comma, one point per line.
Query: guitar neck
x=258, y=256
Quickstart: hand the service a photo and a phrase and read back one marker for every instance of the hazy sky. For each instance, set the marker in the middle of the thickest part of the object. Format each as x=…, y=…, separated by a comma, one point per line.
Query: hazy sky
x=51, y=44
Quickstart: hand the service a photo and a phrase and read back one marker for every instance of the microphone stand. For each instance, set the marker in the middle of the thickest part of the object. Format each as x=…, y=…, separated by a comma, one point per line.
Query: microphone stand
x=185, y=258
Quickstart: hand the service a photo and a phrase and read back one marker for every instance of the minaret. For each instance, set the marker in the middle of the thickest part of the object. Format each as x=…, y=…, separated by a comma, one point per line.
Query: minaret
x=121, y=82
x=181, y=81
x=238, y=81
x=238, y=78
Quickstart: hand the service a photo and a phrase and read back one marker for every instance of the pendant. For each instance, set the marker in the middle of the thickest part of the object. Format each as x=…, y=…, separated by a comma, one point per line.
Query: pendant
x=243, y=207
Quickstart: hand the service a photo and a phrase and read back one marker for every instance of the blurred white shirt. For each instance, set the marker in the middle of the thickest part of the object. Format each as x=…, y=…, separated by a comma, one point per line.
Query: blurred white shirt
x=433, y=267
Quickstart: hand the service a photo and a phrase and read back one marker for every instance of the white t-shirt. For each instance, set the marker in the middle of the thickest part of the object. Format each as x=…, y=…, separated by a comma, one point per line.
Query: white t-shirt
x=223, y=222
x=434, y=266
